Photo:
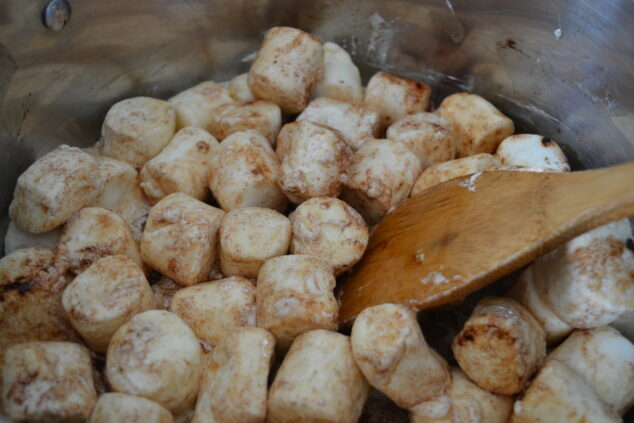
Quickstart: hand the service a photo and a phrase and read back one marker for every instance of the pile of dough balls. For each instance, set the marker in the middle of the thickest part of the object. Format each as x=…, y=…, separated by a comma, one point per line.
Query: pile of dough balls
x=196, y=247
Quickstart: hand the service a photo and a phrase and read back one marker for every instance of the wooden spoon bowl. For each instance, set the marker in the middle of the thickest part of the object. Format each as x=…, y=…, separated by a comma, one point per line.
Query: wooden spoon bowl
x=461, y=235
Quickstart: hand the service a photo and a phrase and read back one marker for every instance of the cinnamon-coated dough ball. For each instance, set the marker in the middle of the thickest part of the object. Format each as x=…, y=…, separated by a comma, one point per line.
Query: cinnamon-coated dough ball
x=136, y=129
x=249, y=236
x=54, y=188
x=427, y=135
x=197, y=106
x=341, y=79
x=244, y=173
x=213, y=310
x=314, y=161
x=442, y=172
x=318, y=382
x=294, y=294
x=525, y=293
x=182, y=166
x=500, y=346
x=263, y=117
x=477, y=125
x=558, y=394
x=357, y=124
x=235, y=379
x=329, y=228
x=464, y=402
x=605, y=360
x=31, y=302
x=180, y=238
x=122, y=193
x=105, y=296
x=389, y=348
x=380, y=177
x=287, y=67
x=157, y=356
x=394, y=98
x=532, y=151
x=91, y=234
x=589, y=281
x=47, y=382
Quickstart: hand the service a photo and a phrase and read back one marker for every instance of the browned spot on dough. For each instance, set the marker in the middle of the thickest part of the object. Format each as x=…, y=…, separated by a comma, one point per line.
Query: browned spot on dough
x=20, y=287
x=172, y=265
x=202, y=146
x=467, y=337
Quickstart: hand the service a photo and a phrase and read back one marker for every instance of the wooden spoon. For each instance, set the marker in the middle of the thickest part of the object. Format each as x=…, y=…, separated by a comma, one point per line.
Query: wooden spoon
x=458, y=236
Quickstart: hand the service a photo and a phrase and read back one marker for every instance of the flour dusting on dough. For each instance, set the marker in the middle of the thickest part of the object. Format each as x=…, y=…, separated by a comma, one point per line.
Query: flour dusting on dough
x=470, y=183
x=436, y=278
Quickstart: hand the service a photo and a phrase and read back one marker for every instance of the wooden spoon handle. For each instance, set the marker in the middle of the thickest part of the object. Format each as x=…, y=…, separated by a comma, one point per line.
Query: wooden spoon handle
x=581, y=201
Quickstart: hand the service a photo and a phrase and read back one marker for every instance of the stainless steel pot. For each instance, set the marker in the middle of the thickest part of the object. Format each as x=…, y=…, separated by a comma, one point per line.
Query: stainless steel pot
x=559, y=67
x=562, y=68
